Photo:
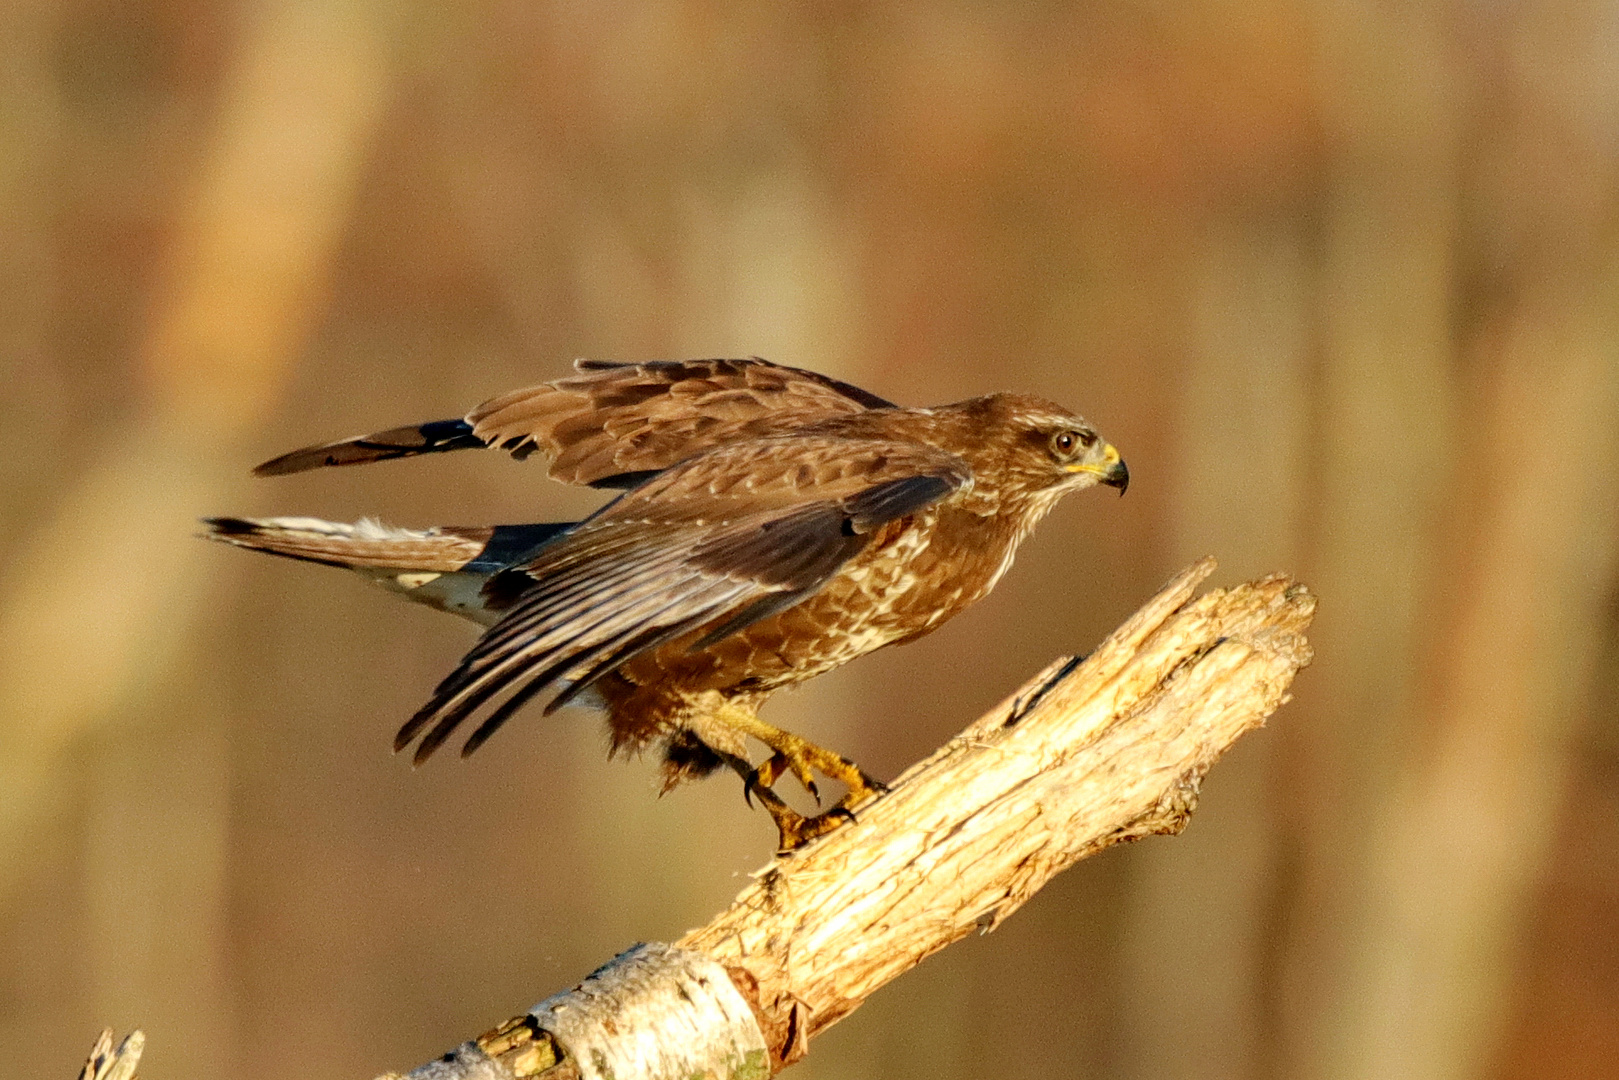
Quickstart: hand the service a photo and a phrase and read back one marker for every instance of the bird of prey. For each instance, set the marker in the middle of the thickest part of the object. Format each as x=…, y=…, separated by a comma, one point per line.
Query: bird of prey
x=771, y=524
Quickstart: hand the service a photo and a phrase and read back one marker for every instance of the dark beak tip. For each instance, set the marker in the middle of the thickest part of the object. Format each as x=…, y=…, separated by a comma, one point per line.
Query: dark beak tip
x=1118, y=476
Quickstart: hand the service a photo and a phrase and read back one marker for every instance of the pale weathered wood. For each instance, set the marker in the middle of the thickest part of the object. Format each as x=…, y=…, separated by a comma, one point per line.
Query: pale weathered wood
x=658, y=1010
x=107, y=1062
x=1085, y=756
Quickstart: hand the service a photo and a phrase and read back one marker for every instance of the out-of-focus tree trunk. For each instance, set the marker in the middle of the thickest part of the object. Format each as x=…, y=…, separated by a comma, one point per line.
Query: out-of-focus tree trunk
x=30, y=116
x=1484, y=656
x=1521, y=575
x=105, y=595
x=1241, y=468
x=1470, y=817
x=1565, y=1003
x=1384, y=406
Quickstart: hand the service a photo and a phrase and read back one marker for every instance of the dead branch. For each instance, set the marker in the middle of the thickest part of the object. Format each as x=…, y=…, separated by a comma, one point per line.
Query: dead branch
x=1086, y=755
x=108, y=1062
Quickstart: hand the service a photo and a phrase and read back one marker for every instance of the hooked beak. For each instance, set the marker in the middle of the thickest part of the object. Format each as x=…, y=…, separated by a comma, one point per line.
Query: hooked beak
x=1117, y=476
x=1112, y=471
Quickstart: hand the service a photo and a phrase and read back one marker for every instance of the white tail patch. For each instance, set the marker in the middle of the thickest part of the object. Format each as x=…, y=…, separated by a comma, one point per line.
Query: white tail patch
x=458, y=593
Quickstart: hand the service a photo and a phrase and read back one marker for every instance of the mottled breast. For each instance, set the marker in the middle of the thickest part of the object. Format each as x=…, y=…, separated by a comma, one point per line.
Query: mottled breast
x=917, y=573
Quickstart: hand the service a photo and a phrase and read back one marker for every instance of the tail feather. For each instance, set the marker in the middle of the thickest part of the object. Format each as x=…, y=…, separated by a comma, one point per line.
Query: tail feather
x=434, y=437
x=445, y=567
x=367, y=545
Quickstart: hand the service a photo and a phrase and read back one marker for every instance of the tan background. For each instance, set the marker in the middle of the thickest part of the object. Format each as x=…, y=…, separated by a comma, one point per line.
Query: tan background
x=1340, y=279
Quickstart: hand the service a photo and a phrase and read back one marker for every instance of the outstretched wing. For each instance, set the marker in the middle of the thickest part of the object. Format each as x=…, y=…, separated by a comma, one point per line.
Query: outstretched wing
x=612, y=425
x=723, y=541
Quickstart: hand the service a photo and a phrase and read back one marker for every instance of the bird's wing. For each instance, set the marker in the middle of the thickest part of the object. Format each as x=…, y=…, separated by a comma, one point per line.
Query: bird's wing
x=612, y=425
x=721, y=541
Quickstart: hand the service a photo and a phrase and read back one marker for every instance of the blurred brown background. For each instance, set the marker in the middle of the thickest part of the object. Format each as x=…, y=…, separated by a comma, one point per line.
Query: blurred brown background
x=1339, y=278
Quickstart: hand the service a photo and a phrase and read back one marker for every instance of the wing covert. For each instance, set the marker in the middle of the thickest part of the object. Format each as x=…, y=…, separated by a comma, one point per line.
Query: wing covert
x=613, y=420
x=679, y=554
x=613, y=425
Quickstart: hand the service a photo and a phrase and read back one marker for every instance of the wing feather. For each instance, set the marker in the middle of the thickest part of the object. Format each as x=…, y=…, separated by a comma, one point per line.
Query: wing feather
x=725, y=540
x=518, y=665
x=609, y=424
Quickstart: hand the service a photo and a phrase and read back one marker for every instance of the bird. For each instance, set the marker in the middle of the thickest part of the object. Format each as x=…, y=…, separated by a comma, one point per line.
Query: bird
x=767, y=524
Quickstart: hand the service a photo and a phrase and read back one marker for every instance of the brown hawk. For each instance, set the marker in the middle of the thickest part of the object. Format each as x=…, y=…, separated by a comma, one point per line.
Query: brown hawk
x=773, y=524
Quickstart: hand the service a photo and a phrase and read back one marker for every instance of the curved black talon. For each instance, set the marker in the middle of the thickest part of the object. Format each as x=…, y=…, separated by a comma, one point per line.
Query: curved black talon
x=778, y=765
x=754, y=782
x=751, y=780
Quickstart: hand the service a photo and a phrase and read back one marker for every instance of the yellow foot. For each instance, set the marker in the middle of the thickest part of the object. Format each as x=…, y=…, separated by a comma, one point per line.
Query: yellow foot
x=797, y=830
x=773, y=768
x=803, y=759
x=793, y=754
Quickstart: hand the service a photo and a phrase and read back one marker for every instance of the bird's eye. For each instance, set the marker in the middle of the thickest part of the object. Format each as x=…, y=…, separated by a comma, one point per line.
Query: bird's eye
x=1064, y=442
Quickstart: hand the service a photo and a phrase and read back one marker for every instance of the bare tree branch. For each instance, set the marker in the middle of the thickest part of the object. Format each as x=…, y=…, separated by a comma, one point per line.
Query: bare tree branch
x=1086, y=755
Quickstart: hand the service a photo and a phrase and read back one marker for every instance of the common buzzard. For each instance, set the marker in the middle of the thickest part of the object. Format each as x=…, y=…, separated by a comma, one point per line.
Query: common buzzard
x=772, y=524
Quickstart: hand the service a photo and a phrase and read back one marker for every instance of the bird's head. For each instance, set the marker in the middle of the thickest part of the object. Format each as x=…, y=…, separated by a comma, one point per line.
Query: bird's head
x=1044, y=447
